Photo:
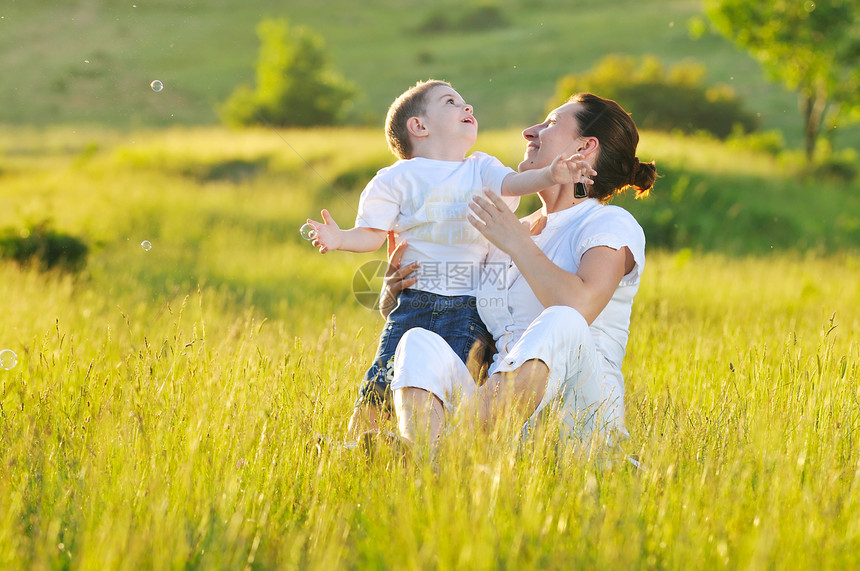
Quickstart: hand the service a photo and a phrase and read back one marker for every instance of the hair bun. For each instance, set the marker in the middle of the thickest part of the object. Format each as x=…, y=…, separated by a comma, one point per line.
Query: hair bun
x=634, y=171
x=642, y=177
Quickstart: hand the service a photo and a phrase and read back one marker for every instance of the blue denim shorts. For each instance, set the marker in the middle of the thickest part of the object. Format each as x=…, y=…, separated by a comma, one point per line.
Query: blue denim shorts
x=454, y=318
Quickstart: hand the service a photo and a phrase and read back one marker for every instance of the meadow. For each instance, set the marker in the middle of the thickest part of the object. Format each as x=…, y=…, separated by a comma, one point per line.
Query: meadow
x=91, y=61
x=164, y=406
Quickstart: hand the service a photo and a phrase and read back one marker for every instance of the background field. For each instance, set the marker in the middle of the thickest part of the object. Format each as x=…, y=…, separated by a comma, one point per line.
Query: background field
x=165, y=402
x=91, y=61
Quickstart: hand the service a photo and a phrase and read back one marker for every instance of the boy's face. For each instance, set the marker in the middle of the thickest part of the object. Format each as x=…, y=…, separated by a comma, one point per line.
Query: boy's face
x=448, y=118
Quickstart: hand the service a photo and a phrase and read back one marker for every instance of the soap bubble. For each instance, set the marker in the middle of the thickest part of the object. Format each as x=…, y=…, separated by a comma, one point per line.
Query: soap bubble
x=307, y=231
x=146, y=245
x=156, y=86
x=8, y=359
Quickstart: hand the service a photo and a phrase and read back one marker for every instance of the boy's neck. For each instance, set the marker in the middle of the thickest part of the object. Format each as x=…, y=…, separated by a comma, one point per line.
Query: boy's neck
x=438, y=150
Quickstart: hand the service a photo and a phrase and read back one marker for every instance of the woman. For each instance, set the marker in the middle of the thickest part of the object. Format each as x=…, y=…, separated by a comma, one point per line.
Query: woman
x=556, y=293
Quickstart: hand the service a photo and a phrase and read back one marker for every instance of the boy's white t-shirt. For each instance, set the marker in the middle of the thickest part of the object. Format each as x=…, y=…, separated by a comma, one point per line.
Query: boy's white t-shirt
x=425, y=201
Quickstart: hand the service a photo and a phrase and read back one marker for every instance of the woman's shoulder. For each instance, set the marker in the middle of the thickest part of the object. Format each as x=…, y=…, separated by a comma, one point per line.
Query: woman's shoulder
x=609, y=224
x=604, y=214
x=611, y=211
x=613, y=226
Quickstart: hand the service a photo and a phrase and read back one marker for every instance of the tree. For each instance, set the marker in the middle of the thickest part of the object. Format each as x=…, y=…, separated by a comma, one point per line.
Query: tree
x=811, y=47
x=660, y=98
x=296, y=84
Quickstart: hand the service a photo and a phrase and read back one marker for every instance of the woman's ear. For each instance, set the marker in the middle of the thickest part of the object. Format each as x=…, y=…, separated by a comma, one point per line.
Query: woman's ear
x=589, y=146
x=416, y=128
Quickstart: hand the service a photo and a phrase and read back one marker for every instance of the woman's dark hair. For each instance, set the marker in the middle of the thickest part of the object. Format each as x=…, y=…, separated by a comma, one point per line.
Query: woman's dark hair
x=617, y=164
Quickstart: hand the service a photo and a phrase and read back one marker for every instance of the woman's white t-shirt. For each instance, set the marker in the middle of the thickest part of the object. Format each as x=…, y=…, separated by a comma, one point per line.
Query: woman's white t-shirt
x=508, y=305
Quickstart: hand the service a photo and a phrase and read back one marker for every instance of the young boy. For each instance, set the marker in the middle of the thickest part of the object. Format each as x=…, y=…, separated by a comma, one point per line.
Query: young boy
x=424, y=198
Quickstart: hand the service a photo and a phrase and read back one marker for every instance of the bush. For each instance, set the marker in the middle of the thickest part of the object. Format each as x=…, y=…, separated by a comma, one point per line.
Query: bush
x=841, y=167
x=484, y=16
x=296, y=85
x=770, y=142
x=40, y=244
x=666, y=100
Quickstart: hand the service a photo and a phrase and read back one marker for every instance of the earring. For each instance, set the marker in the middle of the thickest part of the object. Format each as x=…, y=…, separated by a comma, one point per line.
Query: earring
x=579, y=190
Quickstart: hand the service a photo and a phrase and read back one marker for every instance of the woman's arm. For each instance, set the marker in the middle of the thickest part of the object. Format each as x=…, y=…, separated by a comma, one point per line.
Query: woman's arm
x=588, y=290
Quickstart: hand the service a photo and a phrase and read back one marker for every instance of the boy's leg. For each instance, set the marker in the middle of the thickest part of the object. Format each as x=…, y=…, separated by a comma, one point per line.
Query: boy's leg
x=429, y=379
x=374, y=399
x=420, y=415
x=364, y=417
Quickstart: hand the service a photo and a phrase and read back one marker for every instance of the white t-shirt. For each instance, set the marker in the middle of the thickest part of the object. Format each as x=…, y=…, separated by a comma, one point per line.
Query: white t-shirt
x=508, y=305
x=426, y=202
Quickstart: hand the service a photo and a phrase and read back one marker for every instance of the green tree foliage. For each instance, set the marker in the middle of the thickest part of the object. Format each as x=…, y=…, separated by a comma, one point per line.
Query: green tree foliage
x=812, y=47
x=296, y=84
x=660, y=98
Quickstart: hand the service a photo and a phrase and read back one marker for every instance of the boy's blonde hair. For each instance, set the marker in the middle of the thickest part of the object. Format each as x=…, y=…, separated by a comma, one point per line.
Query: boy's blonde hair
x=411, y=103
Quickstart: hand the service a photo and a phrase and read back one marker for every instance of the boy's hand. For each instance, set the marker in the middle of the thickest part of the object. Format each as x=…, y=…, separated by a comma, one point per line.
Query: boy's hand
x=327, y=233
x=571, y=170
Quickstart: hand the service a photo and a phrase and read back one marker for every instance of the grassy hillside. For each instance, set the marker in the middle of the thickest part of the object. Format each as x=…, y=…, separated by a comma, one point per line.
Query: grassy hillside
x=187, y=190
x=163, y=408
x=91, y=61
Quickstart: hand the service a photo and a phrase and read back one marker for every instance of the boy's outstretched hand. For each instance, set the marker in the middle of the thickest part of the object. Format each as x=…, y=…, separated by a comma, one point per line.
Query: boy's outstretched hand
x=327, y=234
x=571, y=170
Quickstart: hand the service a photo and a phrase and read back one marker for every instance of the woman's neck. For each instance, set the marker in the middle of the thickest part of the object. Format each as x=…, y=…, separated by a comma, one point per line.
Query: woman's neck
x=558, y=198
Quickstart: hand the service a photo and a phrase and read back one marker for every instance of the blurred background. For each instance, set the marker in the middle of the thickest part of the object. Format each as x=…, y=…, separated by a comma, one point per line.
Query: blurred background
x=90, y=61
x=212, y=130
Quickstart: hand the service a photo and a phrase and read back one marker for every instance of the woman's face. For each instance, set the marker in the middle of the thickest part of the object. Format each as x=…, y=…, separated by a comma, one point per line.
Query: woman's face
x=558, y=134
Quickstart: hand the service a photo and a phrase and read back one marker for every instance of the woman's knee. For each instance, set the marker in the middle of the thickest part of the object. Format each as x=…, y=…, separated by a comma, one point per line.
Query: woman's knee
x=561, y=326
x=564, y=316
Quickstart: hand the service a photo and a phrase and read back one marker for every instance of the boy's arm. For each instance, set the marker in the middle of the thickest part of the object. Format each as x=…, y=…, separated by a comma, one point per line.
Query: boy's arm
x=562, y=170
x=329, y=236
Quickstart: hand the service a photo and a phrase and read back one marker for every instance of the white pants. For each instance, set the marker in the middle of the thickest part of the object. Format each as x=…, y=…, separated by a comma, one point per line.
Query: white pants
x=586, y=400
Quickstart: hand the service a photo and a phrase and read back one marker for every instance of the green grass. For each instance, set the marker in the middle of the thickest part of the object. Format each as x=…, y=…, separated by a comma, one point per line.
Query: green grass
x=164, y=406
x=143, y=430
x=91, y=62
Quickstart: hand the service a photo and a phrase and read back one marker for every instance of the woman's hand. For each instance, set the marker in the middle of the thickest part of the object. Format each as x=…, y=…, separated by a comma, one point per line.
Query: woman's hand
x=492, y=218
x=396, y=278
